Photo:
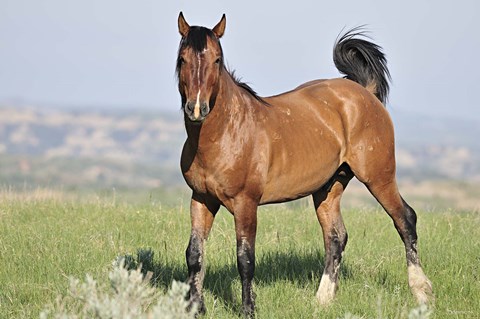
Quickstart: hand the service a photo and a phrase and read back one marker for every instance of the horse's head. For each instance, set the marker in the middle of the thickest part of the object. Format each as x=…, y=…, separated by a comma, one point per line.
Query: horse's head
x=199, y=64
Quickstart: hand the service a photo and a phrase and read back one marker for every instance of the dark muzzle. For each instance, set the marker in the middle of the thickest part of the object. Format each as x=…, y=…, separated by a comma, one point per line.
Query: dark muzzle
x=196, y=112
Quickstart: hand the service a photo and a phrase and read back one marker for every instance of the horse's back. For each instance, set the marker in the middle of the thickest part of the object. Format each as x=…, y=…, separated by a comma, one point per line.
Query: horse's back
x=337, y=102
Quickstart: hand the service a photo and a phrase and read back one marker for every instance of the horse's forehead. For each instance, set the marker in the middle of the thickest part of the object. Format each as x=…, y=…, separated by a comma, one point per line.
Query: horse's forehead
x=212, y=44
x=211, y=48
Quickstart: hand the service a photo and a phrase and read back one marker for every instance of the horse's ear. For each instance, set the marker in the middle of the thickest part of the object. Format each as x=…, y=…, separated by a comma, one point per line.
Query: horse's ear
x=219, y=29
x=183, y=26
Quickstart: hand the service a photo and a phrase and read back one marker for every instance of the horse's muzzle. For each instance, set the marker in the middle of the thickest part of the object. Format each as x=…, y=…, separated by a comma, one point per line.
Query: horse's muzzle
x=196, y=111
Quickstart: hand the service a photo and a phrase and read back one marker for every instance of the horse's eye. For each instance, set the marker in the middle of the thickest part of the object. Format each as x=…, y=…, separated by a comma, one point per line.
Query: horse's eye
x=217, y=61
x=181, y=60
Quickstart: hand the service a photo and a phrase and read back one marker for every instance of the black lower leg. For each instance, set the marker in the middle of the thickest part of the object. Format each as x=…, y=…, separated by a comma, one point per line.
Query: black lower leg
x=417, y=280
x=338, y=241
x=196, y=271
x=336, y=245
x=408, y=232
x=246, y=268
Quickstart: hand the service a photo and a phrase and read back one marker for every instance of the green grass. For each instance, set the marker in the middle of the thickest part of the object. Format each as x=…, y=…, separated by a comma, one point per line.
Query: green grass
x=45, y=240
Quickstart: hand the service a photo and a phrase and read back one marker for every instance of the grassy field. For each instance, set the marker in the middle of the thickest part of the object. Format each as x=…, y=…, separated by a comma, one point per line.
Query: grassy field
x=47, y=237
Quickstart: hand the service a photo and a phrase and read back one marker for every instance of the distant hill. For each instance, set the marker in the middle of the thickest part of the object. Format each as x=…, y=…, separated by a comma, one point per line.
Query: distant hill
x=415, y=130
x=85, y=148
x=89, y=148
x=436, y=147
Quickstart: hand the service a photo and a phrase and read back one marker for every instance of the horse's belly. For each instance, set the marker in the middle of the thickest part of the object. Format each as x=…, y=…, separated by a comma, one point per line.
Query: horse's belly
x=299, y=178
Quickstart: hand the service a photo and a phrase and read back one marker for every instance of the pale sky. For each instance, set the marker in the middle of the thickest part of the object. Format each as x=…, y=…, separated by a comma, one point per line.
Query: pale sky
x=121, y=53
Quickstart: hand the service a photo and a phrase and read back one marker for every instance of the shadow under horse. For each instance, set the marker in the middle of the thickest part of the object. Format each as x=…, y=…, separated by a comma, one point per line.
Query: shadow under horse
x=243, y=150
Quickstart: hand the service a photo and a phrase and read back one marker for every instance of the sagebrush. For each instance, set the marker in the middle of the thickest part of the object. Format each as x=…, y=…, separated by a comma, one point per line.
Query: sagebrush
x=130, y=295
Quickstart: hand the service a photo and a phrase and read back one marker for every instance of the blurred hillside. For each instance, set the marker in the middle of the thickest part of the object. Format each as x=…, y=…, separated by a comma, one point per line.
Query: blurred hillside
x=140, y=149
x=75, y=149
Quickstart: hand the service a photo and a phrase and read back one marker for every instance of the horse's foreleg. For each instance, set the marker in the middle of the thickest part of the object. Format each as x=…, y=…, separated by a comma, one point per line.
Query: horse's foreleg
x=202, y=215
x=245, y=214
x=327, y=205
x=405, y=220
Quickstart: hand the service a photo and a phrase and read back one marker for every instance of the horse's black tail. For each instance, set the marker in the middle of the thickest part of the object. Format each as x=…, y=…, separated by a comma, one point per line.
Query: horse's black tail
x=362, y=61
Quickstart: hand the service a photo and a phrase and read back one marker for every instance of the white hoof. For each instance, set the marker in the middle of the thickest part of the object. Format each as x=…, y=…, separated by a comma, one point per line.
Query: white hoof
x=420, y=285
x=326, y=290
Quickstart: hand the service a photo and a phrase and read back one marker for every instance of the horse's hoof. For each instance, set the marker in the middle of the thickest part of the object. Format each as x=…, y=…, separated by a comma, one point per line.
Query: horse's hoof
x=248, y=313
x=326, y=291
x=420, y=285
x=198, y=306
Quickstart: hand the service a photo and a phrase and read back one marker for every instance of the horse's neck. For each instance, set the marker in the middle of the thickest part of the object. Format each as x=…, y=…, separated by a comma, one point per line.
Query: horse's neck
x=232, y=106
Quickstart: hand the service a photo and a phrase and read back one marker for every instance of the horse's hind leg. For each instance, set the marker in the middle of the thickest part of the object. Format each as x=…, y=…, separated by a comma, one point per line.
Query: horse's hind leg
x=327, y=206
x=404, y=218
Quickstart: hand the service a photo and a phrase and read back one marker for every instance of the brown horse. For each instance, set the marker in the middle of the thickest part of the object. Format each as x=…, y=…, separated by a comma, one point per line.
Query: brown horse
x=243, y=151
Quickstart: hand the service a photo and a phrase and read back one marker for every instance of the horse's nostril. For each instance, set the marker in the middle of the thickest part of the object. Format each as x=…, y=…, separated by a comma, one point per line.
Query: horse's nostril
x=189, y=107
x=205, y=109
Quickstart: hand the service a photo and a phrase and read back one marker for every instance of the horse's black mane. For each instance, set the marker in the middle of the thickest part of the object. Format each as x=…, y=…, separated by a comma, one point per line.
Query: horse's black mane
x=246, y=87
x=197, y=40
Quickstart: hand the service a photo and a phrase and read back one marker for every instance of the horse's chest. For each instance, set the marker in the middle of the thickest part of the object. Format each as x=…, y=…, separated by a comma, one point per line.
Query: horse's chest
x=214, y=179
